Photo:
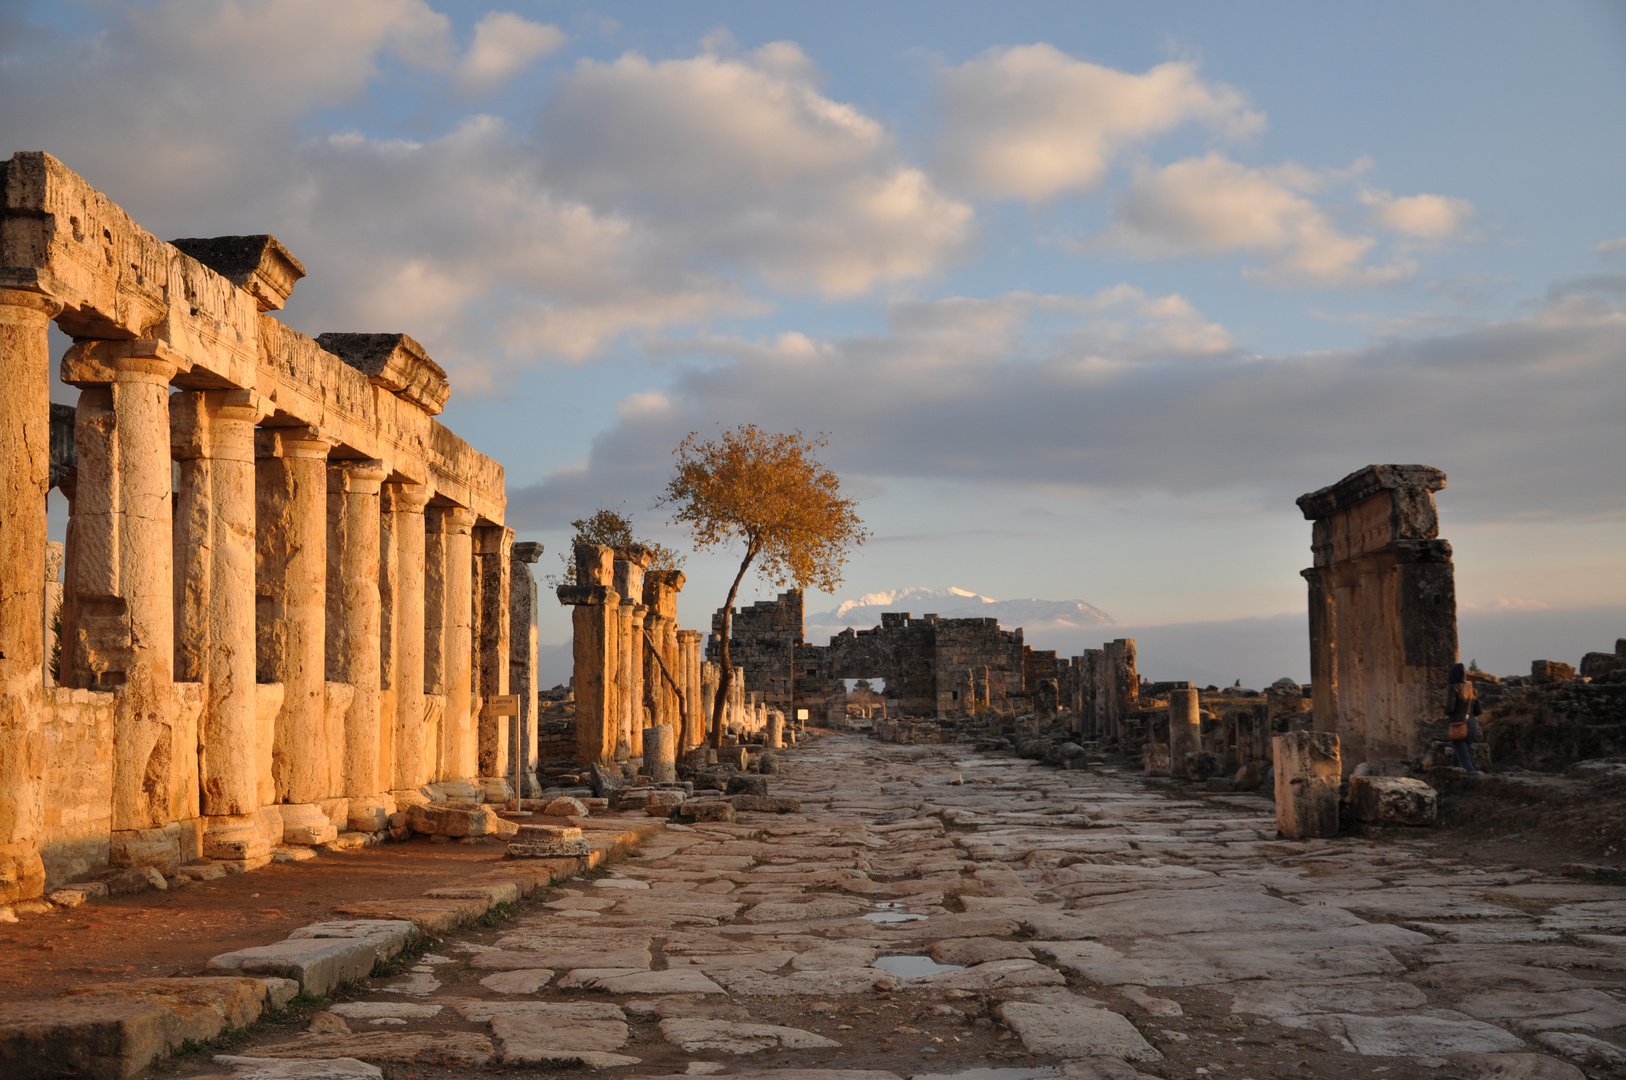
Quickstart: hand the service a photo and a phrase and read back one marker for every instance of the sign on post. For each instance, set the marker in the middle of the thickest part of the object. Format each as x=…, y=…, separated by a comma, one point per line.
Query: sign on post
x=502, y=705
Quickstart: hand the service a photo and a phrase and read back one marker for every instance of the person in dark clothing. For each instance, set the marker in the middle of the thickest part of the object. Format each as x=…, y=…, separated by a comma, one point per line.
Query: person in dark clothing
x=1461, y=709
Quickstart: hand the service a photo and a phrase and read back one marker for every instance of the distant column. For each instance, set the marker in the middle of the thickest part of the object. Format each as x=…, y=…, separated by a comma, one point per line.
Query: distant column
x=593, y=619
x=522, y=658
x=459, y=748
x=493, y=545
x=1185, y=729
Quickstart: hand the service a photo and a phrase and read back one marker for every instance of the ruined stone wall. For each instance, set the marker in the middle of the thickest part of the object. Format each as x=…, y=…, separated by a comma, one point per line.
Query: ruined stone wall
x=247, y=648
x=762, y=642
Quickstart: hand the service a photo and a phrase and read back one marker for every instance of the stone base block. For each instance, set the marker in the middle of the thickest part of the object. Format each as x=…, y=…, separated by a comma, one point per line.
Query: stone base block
x=1155, y=759
x=306, y=824
x=495, y=789
x=22, y=874
x=459, y=791
x=337, y=811
x=166, y=849
x=453, y=821
x=242, y=838
x=737, y=756
x=1392, y=800
x=406, y=797
x=1307, y=780
x=370, y=815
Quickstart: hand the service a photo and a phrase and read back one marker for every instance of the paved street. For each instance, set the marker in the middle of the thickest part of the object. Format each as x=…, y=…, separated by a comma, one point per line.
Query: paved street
x=933, y=911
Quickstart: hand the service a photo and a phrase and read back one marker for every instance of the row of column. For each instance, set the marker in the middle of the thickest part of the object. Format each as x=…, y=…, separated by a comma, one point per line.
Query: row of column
x=635, y=668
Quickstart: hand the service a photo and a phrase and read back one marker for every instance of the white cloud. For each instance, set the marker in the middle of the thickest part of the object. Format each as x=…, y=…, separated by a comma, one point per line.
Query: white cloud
x=1523, y=415
x=1426, y=217
x=504, y=45
x=745, y=157
x=1213, y=206
x=1031, y=122
x=1611, y=247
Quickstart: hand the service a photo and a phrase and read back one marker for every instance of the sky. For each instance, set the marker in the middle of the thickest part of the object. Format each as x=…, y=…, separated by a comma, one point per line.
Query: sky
x=1083, y=296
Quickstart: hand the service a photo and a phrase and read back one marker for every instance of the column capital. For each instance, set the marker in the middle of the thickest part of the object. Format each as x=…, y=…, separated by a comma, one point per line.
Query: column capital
x=34, y=305
x=200, y=421
x=144, y=360
x=492, y=539
x=526, y=551
x=454, y=520
x=356, y=477
x=291, y=442
x=404, y=498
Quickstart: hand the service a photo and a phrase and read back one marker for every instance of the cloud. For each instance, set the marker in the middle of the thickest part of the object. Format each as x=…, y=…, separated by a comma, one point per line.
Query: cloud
x=1611, y=248
x=1213, y=206
x=745, y=157
x=1025, y=390
x=504, y=45
x=1426, y=217
x=1031, y=122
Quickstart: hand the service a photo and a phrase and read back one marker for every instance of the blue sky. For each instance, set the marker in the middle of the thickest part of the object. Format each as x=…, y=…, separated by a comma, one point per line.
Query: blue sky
x=1085, y=295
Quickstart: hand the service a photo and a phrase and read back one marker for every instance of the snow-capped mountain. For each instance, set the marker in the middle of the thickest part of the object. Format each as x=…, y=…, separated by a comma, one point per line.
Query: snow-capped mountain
x=1037, y=616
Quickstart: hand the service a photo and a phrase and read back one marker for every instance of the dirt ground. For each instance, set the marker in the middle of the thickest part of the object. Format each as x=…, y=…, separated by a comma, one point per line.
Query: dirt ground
x=176, y=932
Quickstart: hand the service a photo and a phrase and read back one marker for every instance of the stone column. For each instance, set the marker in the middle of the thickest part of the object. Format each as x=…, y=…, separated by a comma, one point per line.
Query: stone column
x=710, y=675
x=623, y=704
x=458, y=738
x=355, y=629
x=522, y=674
x=125, y=614
x=291, y=607
x=25, y=454
x=695, y=722
x=212, y=437
x=401, y=595
x=775, y=737
x=660, y=753
x=629, y=582
x=1185, y=729
x=637, y=663
x=492, y=547
x=593, y=624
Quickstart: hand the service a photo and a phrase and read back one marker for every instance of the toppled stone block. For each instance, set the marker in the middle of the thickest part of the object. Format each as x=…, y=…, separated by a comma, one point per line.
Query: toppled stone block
x=546, y=848
x=768, y=764
x=565, y=807
x=1155, y=759
x=1250, y=777
x=100, y=1039
x=709, y=810
x=400, y=828
x=602, y=780
x=1307, y=780
x=67, y=898
x=700, y=757
x=1203, y=765
x=746, y=784
x=132, y=880
x=453, y=819
x=767, y=804
x=292, y=854
x=1392, y=800
x=662, y=802
x=322, y=955
x=369, y=815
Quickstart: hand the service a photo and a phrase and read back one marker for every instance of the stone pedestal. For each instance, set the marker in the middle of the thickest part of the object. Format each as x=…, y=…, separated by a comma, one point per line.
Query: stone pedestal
x=1307, y=780
x=775, y=738
x=403, y=601
x=660, y=753
x=25, y=453
x=354, y=616
x=124, y=611
x=1185, y=730
x=212, y=438
x=291, y=604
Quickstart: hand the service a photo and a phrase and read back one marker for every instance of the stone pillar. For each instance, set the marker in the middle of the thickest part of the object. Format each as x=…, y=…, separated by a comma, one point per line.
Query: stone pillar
x=593, y=625
x=660, y=753
x=448, y=574
x=291, y=606
x=355, y=630
x=25, y=453
x=1307, y=782
x=522, y=676
x=1383, y=618
x=1185, y=729
x=622, y=706
x=212, y=437
x=629, y=569
x=492, y=546
x=696, y=722
x=710, y=676
x=124, y=635
x=636, y=663
x=402, y=598
x=775, y=738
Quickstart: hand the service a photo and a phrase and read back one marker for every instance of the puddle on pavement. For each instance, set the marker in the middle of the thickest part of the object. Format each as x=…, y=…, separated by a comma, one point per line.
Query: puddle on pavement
x=891, y=912
x=916, y=967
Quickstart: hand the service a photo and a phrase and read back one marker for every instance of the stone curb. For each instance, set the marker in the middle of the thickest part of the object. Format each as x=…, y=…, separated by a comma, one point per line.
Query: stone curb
x=114, y=1031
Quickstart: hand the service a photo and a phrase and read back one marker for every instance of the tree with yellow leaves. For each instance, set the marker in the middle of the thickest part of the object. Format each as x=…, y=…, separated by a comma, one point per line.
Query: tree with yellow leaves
x=770, y=493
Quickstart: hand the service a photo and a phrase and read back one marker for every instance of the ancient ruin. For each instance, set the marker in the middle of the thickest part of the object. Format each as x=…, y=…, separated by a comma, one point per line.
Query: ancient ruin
x=1383, y=611
x=287, y=597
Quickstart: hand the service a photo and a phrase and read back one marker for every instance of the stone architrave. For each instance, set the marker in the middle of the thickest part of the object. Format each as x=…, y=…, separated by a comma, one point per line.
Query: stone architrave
x=660, y=753
x=212, y=438
x=522, y=659
x=1185, y=734
x=291, y=606
x=354, y=619
x=448, y=558
x=402, y=597
x=492, y=547
x=1307, y=782
x=1383, y=610
x=124, y=633
x=25, y=441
